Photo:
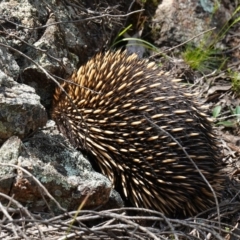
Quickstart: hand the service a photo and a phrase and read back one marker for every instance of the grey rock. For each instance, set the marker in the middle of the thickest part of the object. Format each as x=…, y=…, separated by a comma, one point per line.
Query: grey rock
x=34, y=30
x=178, y=21
x=7, y=62
x=21, y=111
x=48, y=33
x=62, y=170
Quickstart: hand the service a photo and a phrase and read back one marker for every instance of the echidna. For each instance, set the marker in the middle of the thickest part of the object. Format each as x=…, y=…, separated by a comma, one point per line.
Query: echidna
x=139, y=124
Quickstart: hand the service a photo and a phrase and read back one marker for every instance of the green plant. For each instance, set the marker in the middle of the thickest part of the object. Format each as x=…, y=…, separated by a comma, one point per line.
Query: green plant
x=227, y=26
x=75, y=216
x=233, y=119
x=203, y=58
x=206, y=56
x=135, y=41
x=216, y=111
x=235, y=79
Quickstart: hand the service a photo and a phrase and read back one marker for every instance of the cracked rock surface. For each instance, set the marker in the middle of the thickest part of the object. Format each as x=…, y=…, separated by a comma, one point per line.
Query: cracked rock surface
x=21, y=111
x=33, y=41
x=62, y=170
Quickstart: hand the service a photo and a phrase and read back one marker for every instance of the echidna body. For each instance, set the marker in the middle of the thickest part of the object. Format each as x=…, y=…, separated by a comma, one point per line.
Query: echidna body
x=137, y=123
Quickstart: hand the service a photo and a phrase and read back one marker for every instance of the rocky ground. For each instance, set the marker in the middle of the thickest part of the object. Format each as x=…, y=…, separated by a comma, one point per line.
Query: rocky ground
x=42, y=175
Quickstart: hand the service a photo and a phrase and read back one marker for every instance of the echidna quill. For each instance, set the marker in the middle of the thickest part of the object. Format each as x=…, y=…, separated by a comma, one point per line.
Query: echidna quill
x=137, y=123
